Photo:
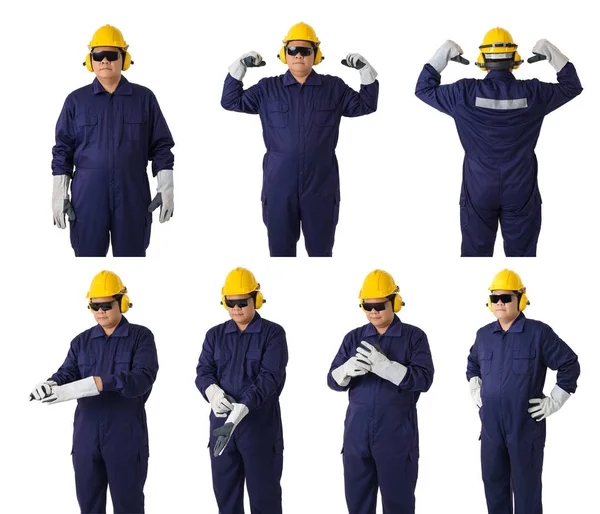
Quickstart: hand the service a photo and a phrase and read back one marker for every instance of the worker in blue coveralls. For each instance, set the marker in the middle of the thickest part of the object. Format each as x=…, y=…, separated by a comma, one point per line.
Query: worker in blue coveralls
x=300, y=114
x=498, y=121
x=108, y=131
x=506, y=370
x=385, y=365
x=110, y=370
x=241, y=372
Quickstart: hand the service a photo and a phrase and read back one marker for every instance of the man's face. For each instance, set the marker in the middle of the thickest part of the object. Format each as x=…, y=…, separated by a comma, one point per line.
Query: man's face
x=505, y=311
x=107, y=318
x=379, y=319
x=241, y=315
x=298, y=63
x=106, y=69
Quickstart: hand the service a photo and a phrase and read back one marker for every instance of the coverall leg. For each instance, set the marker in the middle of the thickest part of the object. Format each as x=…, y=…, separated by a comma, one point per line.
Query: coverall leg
x=360, y=480
x=263, y=470
x=319, y=216
x=397, y=475
x=91, y=480
x=126, y=467
x=228, y=478
x=496, y=472
x=130, y=239
x=526, y=459
x=281, y=215
x=479, y=227
x=521, y=230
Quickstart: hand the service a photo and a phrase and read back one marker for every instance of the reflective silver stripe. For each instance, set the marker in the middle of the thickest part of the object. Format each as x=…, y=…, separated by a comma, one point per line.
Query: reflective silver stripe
x=500, y=56
x=489, y=103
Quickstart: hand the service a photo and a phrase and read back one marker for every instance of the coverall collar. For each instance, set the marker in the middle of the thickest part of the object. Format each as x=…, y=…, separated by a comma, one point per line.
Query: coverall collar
x=504, y=75
x=313, y=79
x=123, y=88
x=517, y=325
x=254, y=327
x=394, y=330
x=122, y=330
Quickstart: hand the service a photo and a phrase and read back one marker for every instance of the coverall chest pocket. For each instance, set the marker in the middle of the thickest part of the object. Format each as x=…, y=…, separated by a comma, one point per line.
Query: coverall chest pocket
x=86, y=362
x=87, y=128
x=485, y=361
x=277, y=114
x=523, y=359
x=122, y=362
x=135, y=128
x=253, y=357
x=325, y=115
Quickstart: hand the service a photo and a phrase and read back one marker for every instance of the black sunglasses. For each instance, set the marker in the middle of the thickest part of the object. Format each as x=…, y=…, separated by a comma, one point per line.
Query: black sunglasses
x=111, y=55
x=505, y=298
x=105, y=306
x=380, y=306
x=240, y=303
x=304, y=51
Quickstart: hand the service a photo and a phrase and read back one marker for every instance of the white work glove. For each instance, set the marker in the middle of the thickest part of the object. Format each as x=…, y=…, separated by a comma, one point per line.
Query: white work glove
x=367, y=72
x=549, y=404
x=353, y=367
x=61, y=204
x=72, y=391
x=223, y=434
x=164, y=196
x=555, y=57
x=238, y=67
x=444, y=54
x=475, y=387
x=380, y=364
x=219, y=401
x=42, y=390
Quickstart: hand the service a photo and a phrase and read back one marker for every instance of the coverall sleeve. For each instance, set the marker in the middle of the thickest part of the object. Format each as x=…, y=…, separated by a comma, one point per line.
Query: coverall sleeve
x=64, y=149
x=144, y=367
x=568, y=87
x=161, y=141
x=236, y=99
x=419, y=371
x=558, y=356
x=69, y=371
x=443, y=98
x=473, y=362
x=206, y=371
x=358, y=104
x=271, y=374
x=343, y=354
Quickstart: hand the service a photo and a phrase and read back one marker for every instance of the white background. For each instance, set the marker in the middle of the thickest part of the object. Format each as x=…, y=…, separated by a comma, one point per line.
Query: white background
x=400, y=173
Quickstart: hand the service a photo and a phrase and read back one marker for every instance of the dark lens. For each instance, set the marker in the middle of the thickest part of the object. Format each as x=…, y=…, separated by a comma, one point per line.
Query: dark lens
x=109, y=54
x=377, y=306
x=303, y=50
x=105, y=306
x=505, y=298
x=240, y=303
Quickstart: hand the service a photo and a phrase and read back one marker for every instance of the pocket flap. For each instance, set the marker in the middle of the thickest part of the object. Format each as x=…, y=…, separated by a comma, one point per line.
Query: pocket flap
x=123, y=357
x=254, y=353
x=485, y=354
x=277, y=107
x=524, y=352
x=83, y=120
x=86, y=359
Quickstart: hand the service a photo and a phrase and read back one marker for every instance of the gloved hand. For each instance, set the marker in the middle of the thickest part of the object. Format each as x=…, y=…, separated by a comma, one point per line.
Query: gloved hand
x=42, y=390
x=367, y=72
x=61, y=204
x=443, y=55
x=220, y=403
x=238, y=69
x=353, y=367
x=164, y=196
x=555, y=57
x=380, y=364
x=72, y=391
x=475, y=387
x=223, y=434
x=548, y=405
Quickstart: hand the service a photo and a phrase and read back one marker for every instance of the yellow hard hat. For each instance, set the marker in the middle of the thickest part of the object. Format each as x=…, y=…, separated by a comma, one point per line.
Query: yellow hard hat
x=498, y=51
x=107, y=283
x=109, y=36
x=380, y=284
x=301, y=32
x=508, y=280
x=242, y=281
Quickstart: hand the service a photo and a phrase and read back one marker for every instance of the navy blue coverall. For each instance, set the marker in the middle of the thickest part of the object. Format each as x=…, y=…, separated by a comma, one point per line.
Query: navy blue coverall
x=110, y=436
x=109, y=139
x=301, y=125
x=512, y=366
x=498, y=121
x=381, y=435
x=250, y=367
